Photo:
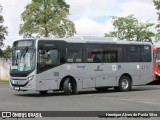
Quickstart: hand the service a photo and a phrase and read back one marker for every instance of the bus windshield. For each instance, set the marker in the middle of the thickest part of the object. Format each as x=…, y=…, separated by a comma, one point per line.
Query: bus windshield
x=23, y=59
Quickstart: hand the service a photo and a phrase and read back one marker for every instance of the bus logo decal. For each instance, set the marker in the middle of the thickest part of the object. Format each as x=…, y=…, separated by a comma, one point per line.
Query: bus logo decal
x=68, y=67
x=138, y=66
x=98, y=68
x=81, y=66
x=114, y=68
x=119, y=67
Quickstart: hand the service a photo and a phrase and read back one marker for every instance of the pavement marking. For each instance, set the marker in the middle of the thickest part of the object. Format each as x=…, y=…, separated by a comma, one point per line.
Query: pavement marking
x=130, y=100
x=146, y=101
x=88, y=95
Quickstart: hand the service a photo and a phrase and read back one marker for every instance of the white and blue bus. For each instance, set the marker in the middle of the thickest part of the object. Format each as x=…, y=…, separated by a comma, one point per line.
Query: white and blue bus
x=79, y=63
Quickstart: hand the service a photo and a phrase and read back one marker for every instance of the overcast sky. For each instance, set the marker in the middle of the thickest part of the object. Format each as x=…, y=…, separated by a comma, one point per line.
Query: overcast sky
x=91, y=17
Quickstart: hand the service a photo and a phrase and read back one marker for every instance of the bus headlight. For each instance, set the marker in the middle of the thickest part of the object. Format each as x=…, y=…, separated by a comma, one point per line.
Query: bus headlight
x=30, y=78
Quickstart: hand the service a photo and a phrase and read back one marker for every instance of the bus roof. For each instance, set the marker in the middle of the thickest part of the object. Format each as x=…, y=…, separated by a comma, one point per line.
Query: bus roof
x=92, y=39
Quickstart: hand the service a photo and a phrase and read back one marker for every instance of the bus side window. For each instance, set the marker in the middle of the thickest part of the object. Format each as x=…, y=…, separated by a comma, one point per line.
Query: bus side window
x=98, y=57
x=131, y=53
x=145, y=54
x=93, y=54
x=111, y=53
x=74, y=54
x=54, y=57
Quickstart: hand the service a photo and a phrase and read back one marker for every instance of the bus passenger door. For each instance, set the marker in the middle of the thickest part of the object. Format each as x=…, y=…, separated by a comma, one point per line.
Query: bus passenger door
x=108, y=69
x=146, y=64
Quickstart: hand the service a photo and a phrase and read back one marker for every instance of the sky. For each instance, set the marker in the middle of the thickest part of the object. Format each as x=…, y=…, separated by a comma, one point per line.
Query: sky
x=91, y=17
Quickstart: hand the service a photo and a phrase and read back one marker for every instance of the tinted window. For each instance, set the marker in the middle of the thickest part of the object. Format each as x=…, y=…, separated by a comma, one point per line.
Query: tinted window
x=110, y=54
x=93, y=54
x=131, y=53
x=146, y=53
x=48, y=56
x=74, y=54
x=54, y=56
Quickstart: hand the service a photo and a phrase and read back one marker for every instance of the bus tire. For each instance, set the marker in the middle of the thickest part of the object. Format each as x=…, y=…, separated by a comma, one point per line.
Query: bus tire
x=67, y=86
x=124, y=84
x=43, y=92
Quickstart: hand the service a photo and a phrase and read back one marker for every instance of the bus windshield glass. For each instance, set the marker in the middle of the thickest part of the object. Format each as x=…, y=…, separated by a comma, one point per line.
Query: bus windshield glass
x=23, y=59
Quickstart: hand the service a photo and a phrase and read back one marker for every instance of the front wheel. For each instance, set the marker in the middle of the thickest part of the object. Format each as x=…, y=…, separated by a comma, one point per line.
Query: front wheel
x=124, y=84
x=67, y=86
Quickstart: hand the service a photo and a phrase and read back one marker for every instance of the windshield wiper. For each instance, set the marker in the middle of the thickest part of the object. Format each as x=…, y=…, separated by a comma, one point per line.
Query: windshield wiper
x=16, y=59
x=24, y=52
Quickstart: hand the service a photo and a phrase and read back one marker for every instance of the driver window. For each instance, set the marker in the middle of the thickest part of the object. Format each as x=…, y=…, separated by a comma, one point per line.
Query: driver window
x=53, y=54
x=48, y=57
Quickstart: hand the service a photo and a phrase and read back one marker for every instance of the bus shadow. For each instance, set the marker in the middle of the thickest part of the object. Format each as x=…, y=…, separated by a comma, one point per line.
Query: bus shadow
x=146, y=88
x=51, y=94
x=86, y=92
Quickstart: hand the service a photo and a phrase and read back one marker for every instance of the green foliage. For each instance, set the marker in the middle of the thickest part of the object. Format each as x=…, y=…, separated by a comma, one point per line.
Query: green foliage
x=110, y=34
x=47, y=18
x=3, y=29
x=129, y=28
x=157, y=37
x=157, y=5
x=6, y=53
x=1, y=53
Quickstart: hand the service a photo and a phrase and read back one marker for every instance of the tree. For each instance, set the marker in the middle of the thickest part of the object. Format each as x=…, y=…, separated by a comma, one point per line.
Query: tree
x=6, y=53
x=47, y=18
x=129, y=28
x=3, y=29
x=157, y=5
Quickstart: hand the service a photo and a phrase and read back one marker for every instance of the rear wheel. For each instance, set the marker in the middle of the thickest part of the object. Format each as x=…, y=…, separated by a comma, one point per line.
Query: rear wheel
x=124, y=84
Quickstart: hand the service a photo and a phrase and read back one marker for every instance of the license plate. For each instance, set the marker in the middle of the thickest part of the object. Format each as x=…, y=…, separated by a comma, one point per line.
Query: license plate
x=16, y=88
x=13, y=82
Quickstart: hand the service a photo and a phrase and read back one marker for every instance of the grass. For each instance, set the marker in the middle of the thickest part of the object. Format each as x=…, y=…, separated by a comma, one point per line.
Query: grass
x=4, y=81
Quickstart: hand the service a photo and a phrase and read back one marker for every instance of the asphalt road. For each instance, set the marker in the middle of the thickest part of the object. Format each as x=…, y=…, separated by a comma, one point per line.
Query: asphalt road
x=141, y=98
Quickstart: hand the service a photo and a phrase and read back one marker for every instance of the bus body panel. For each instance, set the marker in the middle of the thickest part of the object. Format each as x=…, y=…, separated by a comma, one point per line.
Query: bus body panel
x=96, y=75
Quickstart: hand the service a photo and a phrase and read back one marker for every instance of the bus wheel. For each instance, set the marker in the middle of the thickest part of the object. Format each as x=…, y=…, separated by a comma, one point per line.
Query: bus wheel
x=124, y=84
x=43, y=92
x=102, y=89
x=67, y=86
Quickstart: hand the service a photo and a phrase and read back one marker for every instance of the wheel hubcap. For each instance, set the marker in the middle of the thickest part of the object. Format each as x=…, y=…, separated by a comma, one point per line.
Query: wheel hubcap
x=70, y=86
x=125, y=84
